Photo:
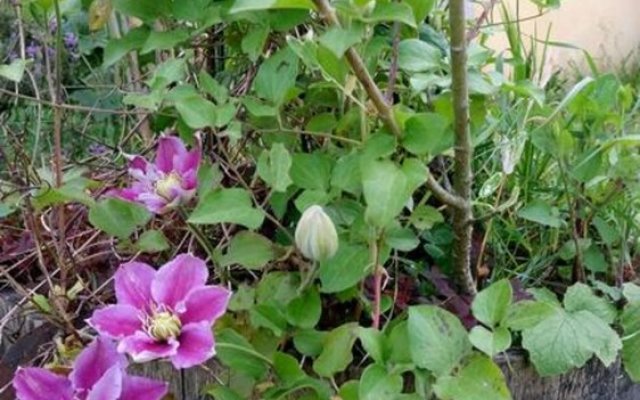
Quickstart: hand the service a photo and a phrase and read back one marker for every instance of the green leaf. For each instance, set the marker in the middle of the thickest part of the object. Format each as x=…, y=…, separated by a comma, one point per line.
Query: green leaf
x=424, y=217
x=146, y=10
x=234, y=351
x=287, y=368
x=243, y=298
x=427, y=133
x=232, y=206
x=311, y=171
x=581, y=297
x=437, y=339
x=249, y=249
x=197, y=112
x=479, y=379
x=373, y=342
x=421, y=8
x=164, y=40
x=490, y=342
x=527, y=314
x=257, y=108
x=305, y=311
x=118, y=217
x=566, y=340
x=253, y=42
x=152, y=241
x=377, y=383
x=309, y=342
x=542, y=213
x=631, y=292
x=491, y=304
x=273, y=167
x=6, y=210
x=346, y=174
x=400, y=12
x=345, y=269
x=276, y=76
x=336, y=355
x=414, y=55
x=253, y=5
x=268, y=316
x=219, y=392
x=219, y=92
x=631, y=342
x=339, y=40
x=399, y=346
x=14, y=71
x=384, y=186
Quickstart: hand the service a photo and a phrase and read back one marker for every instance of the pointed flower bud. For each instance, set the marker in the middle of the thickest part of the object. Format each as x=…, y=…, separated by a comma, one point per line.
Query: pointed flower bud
x=316, y=236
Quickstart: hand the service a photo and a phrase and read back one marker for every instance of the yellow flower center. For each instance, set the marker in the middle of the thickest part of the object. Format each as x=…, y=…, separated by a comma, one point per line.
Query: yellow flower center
x=163, y=326
x=166, y=185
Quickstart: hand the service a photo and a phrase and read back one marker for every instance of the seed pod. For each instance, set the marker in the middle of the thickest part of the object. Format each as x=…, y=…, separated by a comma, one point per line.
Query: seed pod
x=316, y=236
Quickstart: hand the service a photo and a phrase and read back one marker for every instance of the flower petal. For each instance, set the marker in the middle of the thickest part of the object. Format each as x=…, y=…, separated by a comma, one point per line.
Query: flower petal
x=142, y=348
x=176, y=279
x=205, y=304
x=133, y=284
x=40, y=384
x=153, y=202
x=137, y=388
x=93, y=363
x=116, y=321
x=109, y=387
x=170, y=149
x=196, y=345
x=189, y=162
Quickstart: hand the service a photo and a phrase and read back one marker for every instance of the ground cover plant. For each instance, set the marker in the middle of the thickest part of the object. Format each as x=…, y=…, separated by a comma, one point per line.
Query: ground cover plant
x=318, y=199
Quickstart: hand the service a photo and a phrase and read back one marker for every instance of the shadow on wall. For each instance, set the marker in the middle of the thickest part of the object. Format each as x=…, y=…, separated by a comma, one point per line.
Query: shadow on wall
x=609, y=30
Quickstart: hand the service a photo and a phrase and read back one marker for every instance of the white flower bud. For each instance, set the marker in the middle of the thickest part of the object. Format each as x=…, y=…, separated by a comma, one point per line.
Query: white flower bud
x=316, y=236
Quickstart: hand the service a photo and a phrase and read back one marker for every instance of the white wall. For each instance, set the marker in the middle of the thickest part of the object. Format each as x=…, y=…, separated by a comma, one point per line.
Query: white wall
x=608, y=29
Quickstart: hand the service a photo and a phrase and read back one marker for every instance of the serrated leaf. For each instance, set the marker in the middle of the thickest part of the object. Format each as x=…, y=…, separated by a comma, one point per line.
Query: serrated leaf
x=581, y=297
x=339, y=40
x=232, y=206
x=566, y=340
x=400, y=12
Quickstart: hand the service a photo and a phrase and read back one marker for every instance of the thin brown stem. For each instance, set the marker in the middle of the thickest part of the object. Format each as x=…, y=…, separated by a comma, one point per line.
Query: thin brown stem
x=463, y=148
x=360, y=70
x=393, y=69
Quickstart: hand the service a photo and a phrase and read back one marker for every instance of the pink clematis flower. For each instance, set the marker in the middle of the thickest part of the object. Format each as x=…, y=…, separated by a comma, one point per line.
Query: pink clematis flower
x=171, y=181
x=167, y=313
x=98, y=374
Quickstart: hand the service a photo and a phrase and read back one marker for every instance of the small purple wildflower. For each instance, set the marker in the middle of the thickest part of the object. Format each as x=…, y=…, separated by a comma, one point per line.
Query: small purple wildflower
x=164, y=314
x=98, y=373
x=169, y=182
x=70, y=41
x=33, y=50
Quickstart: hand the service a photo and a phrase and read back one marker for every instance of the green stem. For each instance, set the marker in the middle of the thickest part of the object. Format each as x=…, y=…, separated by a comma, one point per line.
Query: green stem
x=200, y=237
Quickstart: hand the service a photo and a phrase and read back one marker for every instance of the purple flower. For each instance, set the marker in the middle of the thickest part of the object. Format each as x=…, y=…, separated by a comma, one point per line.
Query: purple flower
x=98, y=374
x=32, y=50
x=70, y=41
x=167, y=313
x=171, y=181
